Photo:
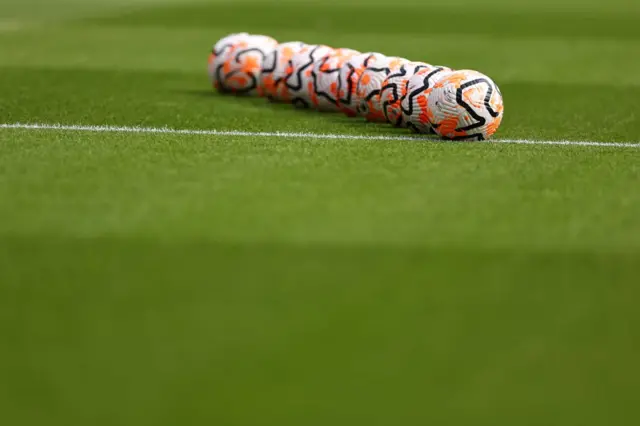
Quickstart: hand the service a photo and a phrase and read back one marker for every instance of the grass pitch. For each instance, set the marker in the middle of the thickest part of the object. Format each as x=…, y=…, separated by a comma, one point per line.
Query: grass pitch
x=162, y=279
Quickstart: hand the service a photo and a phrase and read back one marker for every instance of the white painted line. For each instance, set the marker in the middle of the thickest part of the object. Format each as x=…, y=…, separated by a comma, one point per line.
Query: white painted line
x=167, y=130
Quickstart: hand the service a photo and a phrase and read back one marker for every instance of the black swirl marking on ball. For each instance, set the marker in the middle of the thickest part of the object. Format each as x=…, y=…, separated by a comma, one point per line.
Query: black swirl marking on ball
x=314, y=77
x=349, y=79
x=406, y=85
x=217, y=53
x=243, y=52
x=250, y=76
x=226, y=89
x=397, y=98
x=385, y=70
x=365, y=63
x=298, y=73
x=347, y=100
x=487, y=103
x=222, y=48
x=402, y=71
x=268, y=67
x=480, y=121
x=487, y=96
x=375, y=92
x=426, y=85
x=419, y=67
x=218, y=74
x=394, y=90
x=288, y=78
x=372, y=94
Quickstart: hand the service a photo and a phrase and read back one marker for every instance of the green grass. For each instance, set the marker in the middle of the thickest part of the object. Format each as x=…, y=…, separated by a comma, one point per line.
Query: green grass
x=162, y=279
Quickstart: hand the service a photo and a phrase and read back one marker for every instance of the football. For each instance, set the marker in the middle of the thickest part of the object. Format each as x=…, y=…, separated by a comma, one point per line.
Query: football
x=465, y=105
x=324, y=79
x=394, y=88
x=348, y=77
x=414, y=104
x=455, y=104
x=237, y=69
x=367, y=94
x=275, y=70
x=299, y=83
x=220, y=48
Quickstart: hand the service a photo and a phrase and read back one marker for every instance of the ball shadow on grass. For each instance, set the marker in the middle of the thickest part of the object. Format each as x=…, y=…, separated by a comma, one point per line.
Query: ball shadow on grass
x=333, y=117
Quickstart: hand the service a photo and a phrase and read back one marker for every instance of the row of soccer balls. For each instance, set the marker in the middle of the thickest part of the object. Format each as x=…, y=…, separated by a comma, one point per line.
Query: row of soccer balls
x=455, y=104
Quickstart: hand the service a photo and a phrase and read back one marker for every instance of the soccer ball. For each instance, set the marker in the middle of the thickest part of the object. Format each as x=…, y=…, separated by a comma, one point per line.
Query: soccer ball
x=226, y=43
x=465, y=105
x=299, y=82
x=348, y=77
x=275, y=70
x=394, y=88
x=414, y=104
x=367, y=95
x=324, y=76
x=221, y=48
x=238, y=68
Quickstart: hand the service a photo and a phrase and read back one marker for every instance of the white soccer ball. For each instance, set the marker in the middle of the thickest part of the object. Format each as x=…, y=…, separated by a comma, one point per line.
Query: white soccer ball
x=465, y=105
x=221, y=48
x=275, y=69
x=394, y=88
x=299, y=82
x=228, y=42
x=237, y=69
x=367, y=95
x=324, y=74
x=348, y=78
x=414, y=104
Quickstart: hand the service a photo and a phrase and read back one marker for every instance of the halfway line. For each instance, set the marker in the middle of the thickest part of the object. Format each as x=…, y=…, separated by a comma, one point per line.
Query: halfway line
x=167, y=130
